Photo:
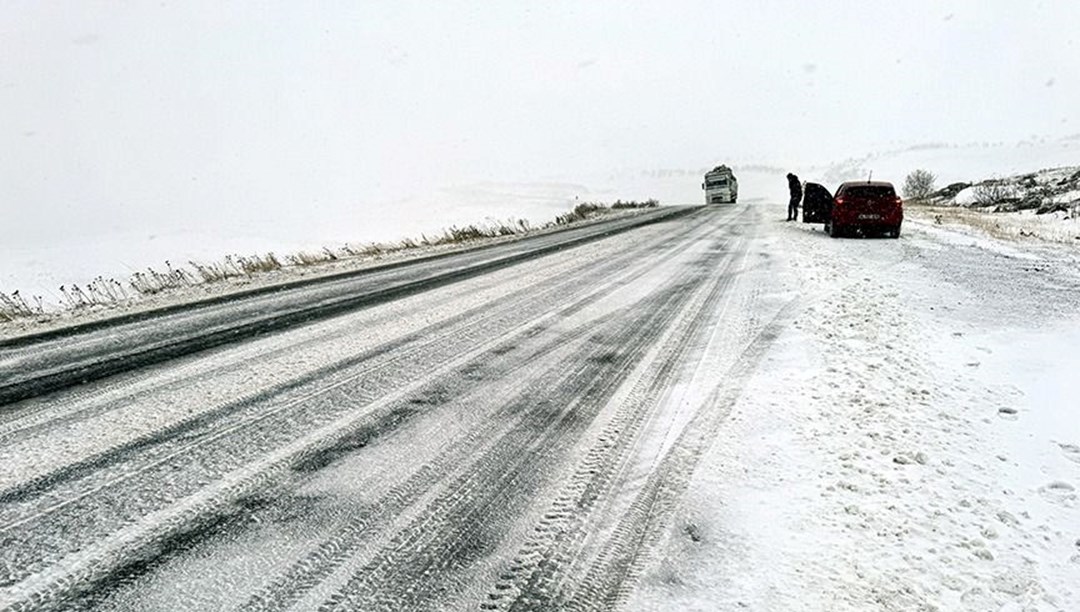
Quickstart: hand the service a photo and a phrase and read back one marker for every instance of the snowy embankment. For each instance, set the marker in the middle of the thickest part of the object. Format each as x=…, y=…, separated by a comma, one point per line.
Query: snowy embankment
x=1021, y=225
x=1043, y=206
x=175, y=285
x=912, y=441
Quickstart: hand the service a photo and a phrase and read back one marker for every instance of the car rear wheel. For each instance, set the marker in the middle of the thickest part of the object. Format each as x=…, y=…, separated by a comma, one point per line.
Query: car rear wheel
x=895, y=232
x=834, y=230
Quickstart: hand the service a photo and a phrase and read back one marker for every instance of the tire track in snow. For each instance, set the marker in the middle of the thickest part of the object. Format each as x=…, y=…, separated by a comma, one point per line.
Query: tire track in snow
x=611, y=578
x=377, y=595
x=482, y=327
x=612, y=575
x=538, y=573
x=337, y=550
x=572, y=561
x=419, y=564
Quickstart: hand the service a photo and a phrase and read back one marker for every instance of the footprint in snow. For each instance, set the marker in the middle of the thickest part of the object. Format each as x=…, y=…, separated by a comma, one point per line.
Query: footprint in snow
x=1072, y=452
x=1008, y=412
x=1059, y=492
x=1013, y=582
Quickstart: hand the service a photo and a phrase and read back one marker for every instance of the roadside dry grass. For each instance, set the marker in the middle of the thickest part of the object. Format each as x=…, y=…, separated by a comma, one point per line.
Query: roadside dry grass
x=1001, y=225
x=109, y=293
x=14, y=306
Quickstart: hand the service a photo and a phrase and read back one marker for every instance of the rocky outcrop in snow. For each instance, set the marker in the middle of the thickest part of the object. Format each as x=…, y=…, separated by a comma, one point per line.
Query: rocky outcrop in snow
x=1054, y=190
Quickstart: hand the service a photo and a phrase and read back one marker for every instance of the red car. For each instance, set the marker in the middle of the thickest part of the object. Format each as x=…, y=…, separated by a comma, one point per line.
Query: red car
x=869, y=207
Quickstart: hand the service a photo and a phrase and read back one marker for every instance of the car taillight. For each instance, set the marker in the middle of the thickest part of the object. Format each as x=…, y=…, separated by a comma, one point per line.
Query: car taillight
x=898, y=201
x=839, y=201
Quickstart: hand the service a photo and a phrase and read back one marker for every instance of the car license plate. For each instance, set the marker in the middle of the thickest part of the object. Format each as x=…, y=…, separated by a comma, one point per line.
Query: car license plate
x=870, y=216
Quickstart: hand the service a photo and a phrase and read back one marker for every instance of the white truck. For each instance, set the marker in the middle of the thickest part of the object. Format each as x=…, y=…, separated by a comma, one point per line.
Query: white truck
x=721, y=186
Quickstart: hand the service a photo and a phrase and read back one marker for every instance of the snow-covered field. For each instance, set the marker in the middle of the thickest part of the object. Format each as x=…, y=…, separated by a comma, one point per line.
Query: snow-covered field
x=912, y=441
x=37, y=264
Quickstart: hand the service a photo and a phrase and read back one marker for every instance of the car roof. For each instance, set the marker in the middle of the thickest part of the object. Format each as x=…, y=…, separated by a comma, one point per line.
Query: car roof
x=870, y=183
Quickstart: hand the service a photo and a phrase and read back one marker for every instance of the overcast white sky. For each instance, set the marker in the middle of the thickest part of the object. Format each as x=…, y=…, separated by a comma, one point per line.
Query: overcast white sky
x=118, y=116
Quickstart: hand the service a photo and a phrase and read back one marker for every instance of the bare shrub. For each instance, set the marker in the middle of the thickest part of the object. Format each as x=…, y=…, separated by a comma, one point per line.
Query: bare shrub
x=104, y=291
x=650, y=203
x=236, y=266
x=152, y=281
x=75, y=298
x=992, y=193
x=469, y=232
x=303, y=258
x=373, y=250
x=210, y=273
x=586, y=210
x=919, y=185
x=254, y=264
x=579, y=213
x=15, y=306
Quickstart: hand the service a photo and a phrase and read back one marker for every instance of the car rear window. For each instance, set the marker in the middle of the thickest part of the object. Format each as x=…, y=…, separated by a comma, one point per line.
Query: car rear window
x=870, y=191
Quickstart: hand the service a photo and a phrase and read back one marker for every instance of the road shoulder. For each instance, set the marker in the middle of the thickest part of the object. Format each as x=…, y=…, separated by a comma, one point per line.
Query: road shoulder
x=902, y=447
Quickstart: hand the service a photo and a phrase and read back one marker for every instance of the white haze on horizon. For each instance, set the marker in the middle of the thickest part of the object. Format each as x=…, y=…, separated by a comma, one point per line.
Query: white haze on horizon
x=132, y=132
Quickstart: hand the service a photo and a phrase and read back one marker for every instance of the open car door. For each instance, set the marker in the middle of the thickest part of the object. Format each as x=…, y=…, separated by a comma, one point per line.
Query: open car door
x=816, y=203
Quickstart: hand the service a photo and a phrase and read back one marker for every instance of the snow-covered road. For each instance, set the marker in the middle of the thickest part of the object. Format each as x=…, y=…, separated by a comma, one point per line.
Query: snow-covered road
x=717, y=411
x=506, y=438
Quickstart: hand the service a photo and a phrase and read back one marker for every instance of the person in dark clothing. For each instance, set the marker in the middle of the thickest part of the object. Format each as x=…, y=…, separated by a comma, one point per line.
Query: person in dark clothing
x=795, y=187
